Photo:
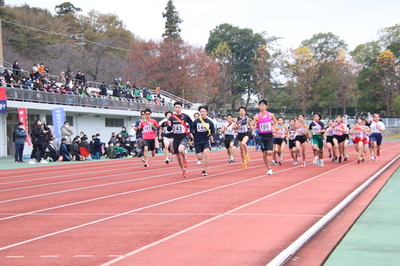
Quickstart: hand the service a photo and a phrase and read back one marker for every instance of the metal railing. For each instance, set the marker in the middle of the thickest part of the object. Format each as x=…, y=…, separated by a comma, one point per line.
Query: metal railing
x=26, y=95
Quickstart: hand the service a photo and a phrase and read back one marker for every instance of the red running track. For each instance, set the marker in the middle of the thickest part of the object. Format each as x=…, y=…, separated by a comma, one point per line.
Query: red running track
x=117, y=212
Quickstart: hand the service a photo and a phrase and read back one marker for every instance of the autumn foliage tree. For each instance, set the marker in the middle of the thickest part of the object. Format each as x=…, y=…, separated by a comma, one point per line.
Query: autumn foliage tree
x=174, y=66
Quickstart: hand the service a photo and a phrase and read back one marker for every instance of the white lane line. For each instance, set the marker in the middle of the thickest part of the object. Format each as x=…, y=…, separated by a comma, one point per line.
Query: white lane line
x=83, y=256
x=15, y=257
x=216, y=217
x=120, y=194
x=88, y=187
x=132, y=211
x=50, y=256
x=173, y=200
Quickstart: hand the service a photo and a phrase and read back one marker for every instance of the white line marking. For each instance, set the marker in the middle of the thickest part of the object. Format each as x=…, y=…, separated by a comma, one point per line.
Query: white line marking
x=83, y=256
x=50, y=256
x=15, y=257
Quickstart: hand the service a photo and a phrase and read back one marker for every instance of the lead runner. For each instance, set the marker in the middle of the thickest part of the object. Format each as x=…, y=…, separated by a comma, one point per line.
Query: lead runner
x=264, y=121
x=180, y=124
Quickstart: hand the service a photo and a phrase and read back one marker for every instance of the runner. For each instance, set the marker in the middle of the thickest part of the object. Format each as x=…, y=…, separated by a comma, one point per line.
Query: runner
x=367, y=140
x=195, y=116
x=317, y=130
x=346, y=136
x=359, y=134
x=229, y=139
x=166, y=137
x=243, y=127
x=338, y=139
x=329, y=139
x=180, y=125
x=280, y=132
x=377, y=128
x=292, y=142
x=203, y=130
x=149, y=128
x=264, y=121
x=301, y=138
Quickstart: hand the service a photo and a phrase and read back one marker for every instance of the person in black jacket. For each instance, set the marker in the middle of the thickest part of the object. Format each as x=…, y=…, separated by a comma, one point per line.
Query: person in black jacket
x=51, y=151
x=38, y=141
x=19, y=141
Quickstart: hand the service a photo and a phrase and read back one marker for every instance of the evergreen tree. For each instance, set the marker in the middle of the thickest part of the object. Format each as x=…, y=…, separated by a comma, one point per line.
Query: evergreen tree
x=172, y=29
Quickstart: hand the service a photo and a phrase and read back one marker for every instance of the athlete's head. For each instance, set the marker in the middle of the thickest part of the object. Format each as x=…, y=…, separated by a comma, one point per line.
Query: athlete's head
x=330, y=122
x=292, y=121
x=196, y=115
x=339, y=118
x=168, y=114
x=147, y=112
x=317, y=116
x=229, y=117
x=301, y=117
x=203, y=111
x=376, y=117
x=359, y=120
x=280, y=120
x=242, y=110
x=178, y=107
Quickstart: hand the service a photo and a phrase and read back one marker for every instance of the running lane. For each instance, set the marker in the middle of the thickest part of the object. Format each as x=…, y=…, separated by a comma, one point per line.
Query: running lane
x=119, y=213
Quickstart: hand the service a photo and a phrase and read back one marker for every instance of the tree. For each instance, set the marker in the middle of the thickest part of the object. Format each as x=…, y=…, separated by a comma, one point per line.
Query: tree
x=324, y=46
x=389, y=39
x=263, y=68
x=176, y=67
x=223, y=56
x=65, y=8
x=243, y=43
x=172, y=22
x=387, y=69
x=366, y=54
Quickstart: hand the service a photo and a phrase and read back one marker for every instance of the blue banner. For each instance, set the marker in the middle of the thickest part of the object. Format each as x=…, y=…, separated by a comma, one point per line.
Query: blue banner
x=3, y=100
x=58, y=121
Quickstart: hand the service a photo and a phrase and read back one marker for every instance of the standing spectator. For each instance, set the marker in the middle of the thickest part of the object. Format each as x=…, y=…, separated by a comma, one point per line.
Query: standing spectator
x=103, y=89
x=132, y=140
x=68, y=76
x=19, y=137
x=16, y=69
x=38, y=138
x=66, y=132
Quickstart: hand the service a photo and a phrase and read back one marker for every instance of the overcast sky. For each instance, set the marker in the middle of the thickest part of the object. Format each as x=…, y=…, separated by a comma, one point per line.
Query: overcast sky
x=354, y=21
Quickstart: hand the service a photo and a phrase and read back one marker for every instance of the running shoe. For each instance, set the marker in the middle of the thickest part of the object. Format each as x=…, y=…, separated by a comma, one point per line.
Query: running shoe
x=295, y=163
x=378, y=153
x=269, y=172
x=185, y=173
x=304, y=164
x=358, y=161
x=321, y=163
x=143, y=159
x=198, y=162
x=340, y=159
x=230, y=160
x=362, y=160
x=318, y=162
x=280, y=162
x=185, y=163
x=204, y=173
x=146, y=165
x=244, y=165
x=153, y=153
x=167, y=161
x=346, y=157
x=247, y=157
x=314, y=161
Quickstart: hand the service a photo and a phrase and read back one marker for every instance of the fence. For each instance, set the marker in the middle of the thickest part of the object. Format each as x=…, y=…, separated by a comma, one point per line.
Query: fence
x=25, y=95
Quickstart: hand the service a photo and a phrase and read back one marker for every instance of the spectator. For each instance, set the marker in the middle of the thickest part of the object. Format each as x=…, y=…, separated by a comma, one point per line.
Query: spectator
x=51, y=152
x=119, y=151
x=113, y=138
x=64, y=153
x=38, y=138
x=16, y=69
x=103, y=89
x=66, y=132
x=84, y=149
x=98, y=147
x=111, y=151
x=75, y=150
x=19, y=137
x=124, y=133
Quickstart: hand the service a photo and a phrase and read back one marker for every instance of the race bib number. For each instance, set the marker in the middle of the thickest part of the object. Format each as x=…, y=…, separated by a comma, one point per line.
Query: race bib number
x=202, y=128
x=243, y=129
x=147, y=129
x=178, y=129
x=229, y=131
x=265, y=127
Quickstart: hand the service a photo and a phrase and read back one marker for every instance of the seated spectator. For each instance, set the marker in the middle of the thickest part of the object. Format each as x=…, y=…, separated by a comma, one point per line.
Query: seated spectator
x=84, y=149
x=64, y=153
x=51, y=152
x=111, y=151
x=119, y=151
x=75, y=150
x=98, y=147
